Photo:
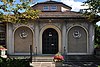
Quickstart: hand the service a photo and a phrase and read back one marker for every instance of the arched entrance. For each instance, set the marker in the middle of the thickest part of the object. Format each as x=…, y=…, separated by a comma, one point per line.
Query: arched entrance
x=77, y=40
x=23, y=38
x=50, y=41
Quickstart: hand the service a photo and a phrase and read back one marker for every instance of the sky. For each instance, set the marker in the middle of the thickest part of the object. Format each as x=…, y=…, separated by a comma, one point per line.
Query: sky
x=75, y=4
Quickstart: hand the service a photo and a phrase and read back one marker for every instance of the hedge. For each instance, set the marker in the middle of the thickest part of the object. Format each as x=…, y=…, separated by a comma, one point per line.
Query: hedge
x=11, y=62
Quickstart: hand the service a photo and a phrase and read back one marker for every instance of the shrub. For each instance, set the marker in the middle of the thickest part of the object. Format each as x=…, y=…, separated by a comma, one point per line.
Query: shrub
x=11, y=62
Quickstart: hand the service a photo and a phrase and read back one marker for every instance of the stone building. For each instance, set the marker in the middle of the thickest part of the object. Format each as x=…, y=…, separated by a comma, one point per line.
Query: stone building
x=58, y=29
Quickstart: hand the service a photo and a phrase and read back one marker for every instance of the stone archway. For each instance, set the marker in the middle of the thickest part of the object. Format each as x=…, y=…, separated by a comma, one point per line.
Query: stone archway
x=77, y=40
x=59, y=36
x=23, y=38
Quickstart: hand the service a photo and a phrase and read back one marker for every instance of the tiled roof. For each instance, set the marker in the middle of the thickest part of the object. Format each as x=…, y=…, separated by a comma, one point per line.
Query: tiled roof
x=52, y=2
x=67, y=14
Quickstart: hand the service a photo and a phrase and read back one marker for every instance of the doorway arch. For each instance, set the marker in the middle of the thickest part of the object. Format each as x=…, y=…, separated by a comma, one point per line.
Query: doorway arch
x=59, y=36
x=50, y=41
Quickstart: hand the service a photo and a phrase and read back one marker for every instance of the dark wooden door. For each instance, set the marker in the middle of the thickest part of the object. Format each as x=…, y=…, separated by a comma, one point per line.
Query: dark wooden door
x=50, y=41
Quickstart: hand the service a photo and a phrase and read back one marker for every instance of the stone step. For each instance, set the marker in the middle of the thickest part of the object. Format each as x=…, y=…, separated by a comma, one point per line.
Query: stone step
x=35, y=58
x=69, y=58
x=68, y=64
x=42, y=64
x=42, y=58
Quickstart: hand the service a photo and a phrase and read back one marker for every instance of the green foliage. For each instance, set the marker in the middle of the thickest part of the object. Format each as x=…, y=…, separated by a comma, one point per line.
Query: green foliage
x=17, y=12
x=92, y=17
x=97, y=36
x=94, y=5
x=29, y=15
x=93, y=10
x=8, y=62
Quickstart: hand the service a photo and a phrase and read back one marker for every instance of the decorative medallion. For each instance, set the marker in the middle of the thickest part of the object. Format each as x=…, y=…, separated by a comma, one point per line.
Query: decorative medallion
x=76, y=34
x=23, y=34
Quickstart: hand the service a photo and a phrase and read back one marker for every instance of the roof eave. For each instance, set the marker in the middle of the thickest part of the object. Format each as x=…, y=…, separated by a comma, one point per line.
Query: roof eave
x=62, y=17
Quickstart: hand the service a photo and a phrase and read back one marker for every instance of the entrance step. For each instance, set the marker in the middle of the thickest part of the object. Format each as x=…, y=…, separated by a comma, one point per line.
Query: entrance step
x=42, y=58
x=43, y=64
x=67, y=64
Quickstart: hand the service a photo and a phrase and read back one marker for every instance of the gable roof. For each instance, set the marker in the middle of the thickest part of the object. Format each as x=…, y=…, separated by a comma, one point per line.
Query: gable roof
x=52, y=2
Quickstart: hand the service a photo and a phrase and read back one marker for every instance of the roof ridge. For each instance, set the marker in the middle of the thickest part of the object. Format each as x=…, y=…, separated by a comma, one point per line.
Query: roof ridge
x=52, y=2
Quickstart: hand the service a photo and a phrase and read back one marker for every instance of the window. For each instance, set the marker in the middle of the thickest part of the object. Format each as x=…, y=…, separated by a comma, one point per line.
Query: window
x=2, y=35
x=53, y=7
x=2, y=38
x=45, y=8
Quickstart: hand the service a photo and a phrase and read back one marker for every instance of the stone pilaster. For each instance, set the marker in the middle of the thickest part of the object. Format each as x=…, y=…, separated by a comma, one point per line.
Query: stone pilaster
x=36, y=44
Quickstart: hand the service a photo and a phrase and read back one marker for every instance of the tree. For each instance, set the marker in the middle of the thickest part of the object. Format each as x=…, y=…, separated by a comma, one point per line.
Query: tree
x=97, y=35
x=94, y=6
x=17, y=12
x=92, y=13
x=93, y=10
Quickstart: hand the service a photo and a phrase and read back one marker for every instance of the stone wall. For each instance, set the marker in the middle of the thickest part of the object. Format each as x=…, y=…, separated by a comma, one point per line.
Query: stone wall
x=62, y=26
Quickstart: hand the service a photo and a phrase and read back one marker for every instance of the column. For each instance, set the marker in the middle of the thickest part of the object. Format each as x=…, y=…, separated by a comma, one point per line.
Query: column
x=37, y=51
x=64, y=46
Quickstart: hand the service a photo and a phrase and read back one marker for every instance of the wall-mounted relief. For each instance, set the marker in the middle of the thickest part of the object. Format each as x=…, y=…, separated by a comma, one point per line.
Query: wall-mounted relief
x=17, y=25
x=69, y=25
x=55, y=24
x=86, y=25
x=23, y=34
x=59, y=25
x=76, y=34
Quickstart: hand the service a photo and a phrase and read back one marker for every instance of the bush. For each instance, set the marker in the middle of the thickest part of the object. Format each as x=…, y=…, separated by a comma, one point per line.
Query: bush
x=11, y=62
